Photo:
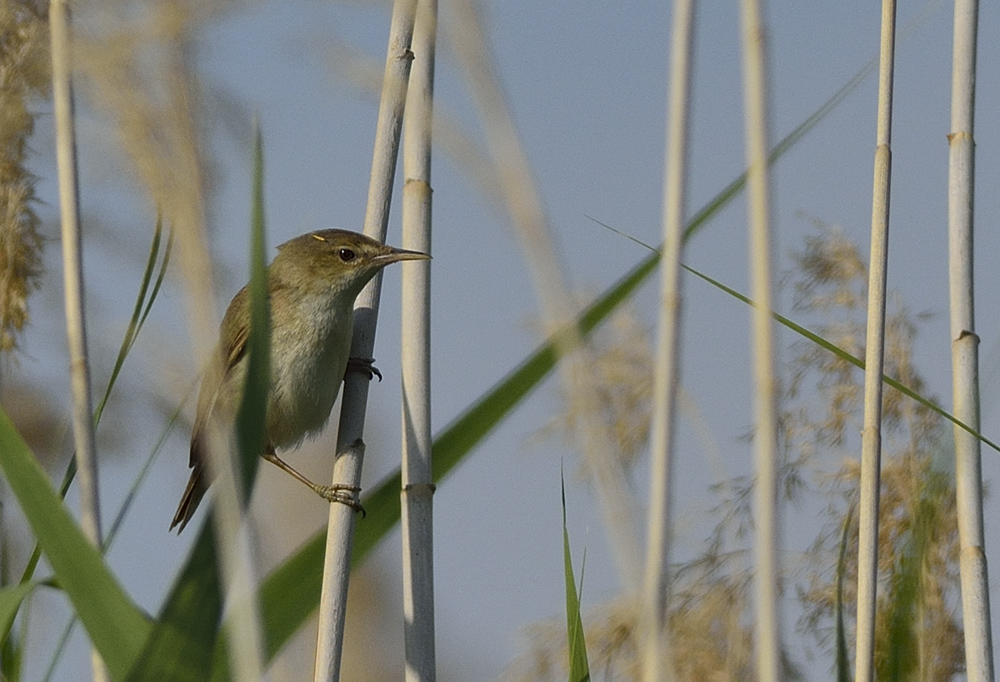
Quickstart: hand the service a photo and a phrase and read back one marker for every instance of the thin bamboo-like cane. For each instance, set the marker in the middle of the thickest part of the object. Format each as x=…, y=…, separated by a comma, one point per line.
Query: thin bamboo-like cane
x=76, y=327
x=237, y=561
x=766, y=579
x=350, y=446
x=965, y=348
x=871, y=434
x=417, y=480
x=656, y=665
x=234, y=537
x=524, y=205
x=233, y=527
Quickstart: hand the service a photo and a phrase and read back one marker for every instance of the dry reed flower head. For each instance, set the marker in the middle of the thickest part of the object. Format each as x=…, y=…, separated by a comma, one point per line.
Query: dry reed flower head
x=621, y=377
x=917, y=513
x=23, y=78
x=138, y=71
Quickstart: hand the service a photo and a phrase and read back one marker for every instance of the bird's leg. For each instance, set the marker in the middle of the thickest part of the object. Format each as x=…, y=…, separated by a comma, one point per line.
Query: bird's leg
x=365, y=366
x=338, y=492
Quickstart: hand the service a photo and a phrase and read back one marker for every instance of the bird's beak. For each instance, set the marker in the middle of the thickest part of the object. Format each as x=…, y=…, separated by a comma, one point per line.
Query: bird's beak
x=400, y=254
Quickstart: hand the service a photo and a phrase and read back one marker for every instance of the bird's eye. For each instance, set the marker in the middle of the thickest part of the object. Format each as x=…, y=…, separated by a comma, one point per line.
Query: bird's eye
x=347, y=255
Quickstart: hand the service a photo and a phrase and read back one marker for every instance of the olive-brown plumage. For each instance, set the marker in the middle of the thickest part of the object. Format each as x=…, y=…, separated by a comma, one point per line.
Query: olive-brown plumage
x=313, y=283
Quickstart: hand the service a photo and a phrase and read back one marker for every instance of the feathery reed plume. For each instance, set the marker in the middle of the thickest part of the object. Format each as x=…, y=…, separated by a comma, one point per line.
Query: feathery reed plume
x=138, y=72
x=24, y=74
x=917, y=508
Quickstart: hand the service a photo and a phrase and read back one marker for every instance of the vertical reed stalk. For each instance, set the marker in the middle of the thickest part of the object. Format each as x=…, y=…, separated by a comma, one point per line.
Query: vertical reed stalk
x=965, y=347
x=237, y=560
x=871, y=434
x=524, y=205
x=165, y=146
x=417, y=480
x=656, y=662
x=767, y=577
x=76, y=327
x=233, y=460
x=350, y=446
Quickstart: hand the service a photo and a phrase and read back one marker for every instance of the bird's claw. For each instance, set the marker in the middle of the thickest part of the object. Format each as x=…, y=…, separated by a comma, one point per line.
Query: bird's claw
x=365, y=366
x=344, y=494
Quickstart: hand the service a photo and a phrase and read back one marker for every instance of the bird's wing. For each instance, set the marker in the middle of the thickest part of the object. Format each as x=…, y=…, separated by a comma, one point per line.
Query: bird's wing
x=236, y=327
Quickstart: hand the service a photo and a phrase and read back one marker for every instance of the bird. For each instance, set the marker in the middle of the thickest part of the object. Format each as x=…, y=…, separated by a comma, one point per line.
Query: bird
x=312, y=285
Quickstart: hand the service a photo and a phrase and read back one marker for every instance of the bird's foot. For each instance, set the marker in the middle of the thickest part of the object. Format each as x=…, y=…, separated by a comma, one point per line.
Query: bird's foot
x=342, y=493
x=338, y=492
x=365, y=366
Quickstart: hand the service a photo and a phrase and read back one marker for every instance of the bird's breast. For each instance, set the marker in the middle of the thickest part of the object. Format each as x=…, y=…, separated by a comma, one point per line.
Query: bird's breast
x=308, y=365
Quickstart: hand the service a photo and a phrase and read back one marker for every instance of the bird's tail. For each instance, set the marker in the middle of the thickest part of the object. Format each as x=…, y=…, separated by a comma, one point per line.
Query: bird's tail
x=192, y=497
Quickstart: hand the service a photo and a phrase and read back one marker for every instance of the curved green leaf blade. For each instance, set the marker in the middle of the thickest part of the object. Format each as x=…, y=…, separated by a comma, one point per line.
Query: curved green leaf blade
x=579, y=668
x=143, y=305
x=10, y=601
x=843, y=660
x=115, y=624
x=182, y=644
x=856, y=361
x=131, y=334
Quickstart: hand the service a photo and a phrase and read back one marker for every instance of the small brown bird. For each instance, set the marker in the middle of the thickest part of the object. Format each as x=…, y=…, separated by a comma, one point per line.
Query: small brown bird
x=312, y=283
